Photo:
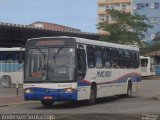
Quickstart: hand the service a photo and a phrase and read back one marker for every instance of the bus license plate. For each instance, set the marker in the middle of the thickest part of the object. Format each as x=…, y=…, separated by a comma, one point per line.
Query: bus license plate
x=48, y=98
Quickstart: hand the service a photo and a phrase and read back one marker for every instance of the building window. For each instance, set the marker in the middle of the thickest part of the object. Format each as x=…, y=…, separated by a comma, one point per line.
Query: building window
x=134, y=6
x=117, y=4
x=113, y=18
x=102, y=17
x=124, y=6
x=107, y=17
x=128, y=4
x=107, y=7
x=139, y=6
x=154, y=5
x=154, y=20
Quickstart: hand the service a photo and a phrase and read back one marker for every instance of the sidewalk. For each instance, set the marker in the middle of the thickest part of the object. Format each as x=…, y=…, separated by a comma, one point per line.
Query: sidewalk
x=5, y=101
x=8, y=96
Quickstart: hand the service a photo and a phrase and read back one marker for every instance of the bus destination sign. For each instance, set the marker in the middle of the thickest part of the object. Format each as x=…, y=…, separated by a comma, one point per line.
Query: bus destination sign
x=50, y=42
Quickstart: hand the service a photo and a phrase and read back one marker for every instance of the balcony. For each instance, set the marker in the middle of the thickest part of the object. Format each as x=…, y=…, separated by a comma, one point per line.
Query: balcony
x=102, y=2
x=102, y=13
x=117, y=1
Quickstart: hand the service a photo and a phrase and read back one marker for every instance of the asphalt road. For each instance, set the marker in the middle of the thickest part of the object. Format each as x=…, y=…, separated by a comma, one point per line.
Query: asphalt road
x=146, y=101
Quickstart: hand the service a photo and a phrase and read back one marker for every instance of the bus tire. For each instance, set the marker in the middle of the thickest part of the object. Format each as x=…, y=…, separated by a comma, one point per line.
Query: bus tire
x=93, y=95
x=129, y=89
x=47, y=103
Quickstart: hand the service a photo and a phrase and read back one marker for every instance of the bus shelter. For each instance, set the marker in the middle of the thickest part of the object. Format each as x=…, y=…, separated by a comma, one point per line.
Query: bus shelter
x=16, y=35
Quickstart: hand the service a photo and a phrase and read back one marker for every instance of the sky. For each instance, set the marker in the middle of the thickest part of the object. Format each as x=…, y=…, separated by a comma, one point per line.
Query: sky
x=79, y=14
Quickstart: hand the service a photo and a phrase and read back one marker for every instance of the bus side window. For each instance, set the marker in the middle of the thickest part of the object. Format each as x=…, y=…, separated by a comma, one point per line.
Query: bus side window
x=81, y=63
x=98, y=57
x=128, y=59
x=135, y=59
x=121, y=58
x=90, y=57
x=138, y=59
x=106, y=58
x=114, y=58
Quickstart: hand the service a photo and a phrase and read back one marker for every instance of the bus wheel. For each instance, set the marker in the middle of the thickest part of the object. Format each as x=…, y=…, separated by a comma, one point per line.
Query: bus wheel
x=47, y=103
x=93, y=95
x=129, y=89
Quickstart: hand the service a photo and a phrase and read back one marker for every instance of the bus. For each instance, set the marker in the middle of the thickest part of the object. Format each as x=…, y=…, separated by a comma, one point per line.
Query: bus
x=11, y=72
x=73, y=69
x=147, y=66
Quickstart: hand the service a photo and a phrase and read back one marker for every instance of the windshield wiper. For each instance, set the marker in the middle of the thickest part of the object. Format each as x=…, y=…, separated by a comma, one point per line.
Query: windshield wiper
x=57, y=53
x=44, y=64
x=44, y=55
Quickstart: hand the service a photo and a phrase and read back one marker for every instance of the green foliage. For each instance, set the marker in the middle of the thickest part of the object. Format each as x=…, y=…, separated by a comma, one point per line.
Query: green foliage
x=126, y=28
x=150, y=48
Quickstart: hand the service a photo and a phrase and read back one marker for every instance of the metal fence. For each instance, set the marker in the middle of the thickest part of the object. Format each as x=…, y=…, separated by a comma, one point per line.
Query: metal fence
x=14, y=85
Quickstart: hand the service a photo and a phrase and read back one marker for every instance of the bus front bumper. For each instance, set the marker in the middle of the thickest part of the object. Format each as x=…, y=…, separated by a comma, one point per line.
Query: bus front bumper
x=51, y=96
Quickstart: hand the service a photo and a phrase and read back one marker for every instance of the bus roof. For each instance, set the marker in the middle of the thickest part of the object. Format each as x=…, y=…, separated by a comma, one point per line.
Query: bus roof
x=144, y=57
x=107, y=44
x=94, y=42
x=12, y=49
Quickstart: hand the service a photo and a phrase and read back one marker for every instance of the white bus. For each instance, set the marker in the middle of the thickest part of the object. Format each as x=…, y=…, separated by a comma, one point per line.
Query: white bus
x=11, y=71
x=147, y=66
x=72, y=69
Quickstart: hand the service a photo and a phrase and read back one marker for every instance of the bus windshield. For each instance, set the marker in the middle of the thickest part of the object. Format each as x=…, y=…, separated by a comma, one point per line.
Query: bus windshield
x=50, y=64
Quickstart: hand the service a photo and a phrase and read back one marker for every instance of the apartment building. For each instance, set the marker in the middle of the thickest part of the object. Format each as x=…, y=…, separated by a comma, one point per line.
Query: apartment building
x=150, y=8
x=103, y=5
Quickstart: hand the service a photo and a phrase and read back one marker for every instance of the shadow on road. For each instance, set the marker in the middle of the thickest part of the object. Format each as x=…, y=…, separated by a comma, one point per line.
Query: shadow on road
x=79, y=104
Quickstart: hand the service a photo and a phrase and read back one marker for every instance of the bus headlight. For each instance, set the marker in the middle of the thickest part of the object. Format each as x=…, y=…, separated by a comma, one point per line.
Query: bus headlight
x=28, y=91
x=69, y=90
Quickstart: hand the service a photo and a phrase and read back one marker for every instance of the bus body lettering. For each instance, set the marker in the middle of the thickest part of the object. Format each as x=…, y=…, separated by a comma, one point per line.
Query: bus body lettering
x=104, y=73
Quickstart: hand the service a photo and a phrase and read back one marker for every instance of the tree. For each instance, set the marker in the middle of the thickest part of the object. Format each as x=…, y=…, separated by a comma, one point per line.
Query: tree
x=154, y=46
x=125, y=29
